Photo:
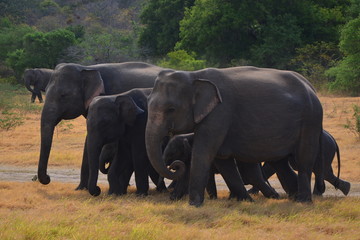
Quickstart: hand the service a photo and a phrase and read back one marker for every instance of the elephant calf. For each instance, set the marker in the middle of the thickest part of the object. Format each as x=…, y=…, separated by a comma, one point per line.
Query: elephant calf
x=39, y=79
x=120, y=120
x=329, y=149
x=180, y=147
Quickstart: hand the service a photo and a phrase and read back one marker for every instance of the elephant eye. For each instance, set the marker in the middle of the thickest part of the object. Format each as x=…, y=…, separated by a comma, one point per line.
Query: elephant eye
x=170, y=110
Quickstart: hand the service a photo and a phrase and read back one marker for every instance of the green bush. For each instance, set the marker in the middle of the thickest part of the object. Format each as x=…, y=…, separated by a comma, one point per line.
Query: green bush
x=347, y=72
x=14, y=104
x=181, y=60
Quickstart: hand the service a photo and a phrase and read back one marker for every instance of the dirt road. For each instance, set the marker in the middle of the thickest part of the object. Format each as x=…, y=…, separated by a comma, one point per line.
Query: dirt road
x=26, y=174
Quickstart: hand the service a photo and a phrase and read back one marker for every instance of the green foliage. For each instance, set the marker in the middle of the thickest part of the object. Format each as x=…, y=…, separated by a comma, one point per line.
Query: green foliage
x=313, y=60
x=11, y=37
x=40, y=50
x=347, y=72
x=181, y=60
x=161, y=19
x=267, y=32
x=354, y=126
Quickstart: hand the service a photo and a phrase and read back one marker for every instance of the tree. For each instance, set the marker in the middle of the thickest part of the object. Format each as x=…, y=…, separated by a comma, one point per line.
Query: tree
x=347, y=72
x=265, y=32
x=40, y=50
x=161, y=25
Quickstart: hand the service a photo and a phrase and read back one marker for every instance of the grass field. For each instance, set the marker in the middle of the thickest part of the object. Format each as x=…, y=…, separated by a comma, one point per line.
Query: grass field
x=29, y=210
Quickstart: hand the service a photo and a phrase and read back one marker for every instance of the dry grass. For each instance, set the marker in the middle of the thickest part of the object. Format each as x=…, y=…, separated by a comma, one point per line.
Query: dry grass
x=33, y=211
x=58, y=212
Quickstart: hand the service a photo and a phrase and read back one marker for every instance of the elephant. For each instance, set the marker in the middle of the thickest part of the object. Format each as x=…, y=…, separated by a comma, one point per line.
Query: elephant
x=249, y=113
x=70, y=91
x=329, y=149
x=180, y=147
x=120, y=119
x=39, y=78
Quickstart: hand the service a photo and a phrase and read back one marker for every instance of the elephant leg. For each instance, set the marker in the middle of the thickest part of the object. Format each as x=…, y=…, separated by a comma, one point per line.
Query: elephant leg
x=141, y=178
x=253, y=175
x=119, y=176
x=33, y=97
x=211, y=186
x=306, y=154
x=40, y=97
x=84, y=172
x=267, y=171
x=286, y=176
x=120, y=170
x=156, y=179
x=338, y=183
x=181, y=186
x=231, y=175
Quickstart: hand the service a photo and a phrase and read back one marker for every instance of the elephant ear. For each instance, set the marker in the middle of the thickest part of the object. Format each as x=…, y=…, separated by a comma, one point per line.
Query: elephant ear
x=128, y=109
x=93, y=85
x=206, y=98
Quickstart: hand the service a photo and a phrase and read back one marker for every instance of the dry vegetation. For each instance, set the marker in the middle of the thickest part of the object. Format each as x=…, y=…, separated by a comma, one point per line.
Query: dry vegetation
x=29, y=210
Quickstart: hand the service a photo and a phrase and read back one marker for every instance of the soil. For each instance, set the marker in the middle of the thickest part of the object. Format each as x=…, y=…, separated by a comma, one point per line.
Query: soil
x=72, y=175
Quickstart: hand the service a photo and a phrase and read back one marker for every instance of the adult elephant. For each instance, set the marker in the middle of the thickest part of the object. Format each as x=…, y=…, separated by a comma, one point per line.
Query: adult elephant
x=70, y=91
x=39, y=79
x=120, y=118
x=253, y=114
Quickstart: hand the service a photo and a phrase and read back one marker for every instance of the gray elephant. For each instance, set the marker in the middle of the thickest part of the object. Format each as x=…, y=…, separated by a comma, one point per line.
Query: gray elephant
x=322, y=166
x=39, y=79
x=120, y=118
x=180, y=147
x=253, y=114
x=70, y=91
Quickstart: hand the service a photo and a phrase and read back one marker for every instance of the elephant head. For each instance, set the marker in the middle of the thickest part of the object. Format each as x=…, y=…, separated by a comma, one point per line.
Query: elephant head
x=69, y=93
x=178, y=103
x=29, y=79
x=107, y=119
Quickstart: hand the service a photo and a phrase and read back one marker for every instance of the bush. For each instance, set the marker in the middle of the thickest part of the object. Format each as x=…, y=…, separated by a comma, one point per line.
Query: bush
x=347, y=72
x=181, y=60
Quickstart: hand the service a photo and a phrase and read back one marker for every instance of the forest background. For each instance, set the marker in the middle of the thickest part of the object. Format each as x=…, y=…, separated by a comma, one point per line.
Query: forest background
x=318, y=38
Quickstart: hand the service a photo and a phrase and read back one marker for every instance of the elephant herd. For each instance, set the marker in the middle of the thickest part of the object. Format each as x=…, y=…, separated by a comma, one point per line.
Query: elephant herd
x=189, y=125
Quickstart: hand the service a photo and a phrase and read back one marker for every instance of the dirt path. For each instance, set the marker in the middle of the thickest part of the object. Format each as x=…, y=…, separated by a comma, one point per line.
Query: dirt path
x=26, y=174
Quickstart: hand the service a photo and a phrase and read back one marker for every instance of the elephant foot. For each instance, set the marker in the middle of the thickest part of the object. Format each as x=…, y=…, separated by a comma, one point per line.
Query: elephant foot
x=141, y=194
x=196, y=201
x=241, y=197
x=303, y=198
x=81, y=186
x=317, y=192
x=174, y=195
x=253, y=190
x=213, y=196
x=344, y=187
x=95, y=192
x=161, y=188
x=44, y=179
x=274, y=195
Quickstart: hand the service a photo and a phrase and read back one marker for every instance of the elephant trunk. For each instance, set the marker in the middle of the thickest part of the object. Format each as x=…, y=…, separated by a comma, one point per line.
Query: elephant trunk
x=48, y=123
x=153, y=139
x=28, y=83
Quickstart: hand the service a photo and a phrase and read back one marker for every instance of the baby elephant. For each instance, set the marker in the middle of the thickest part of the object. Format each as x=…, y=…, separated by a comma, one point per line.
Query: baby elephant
x=180, y=148
x=329, y=149
x=119, y=121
